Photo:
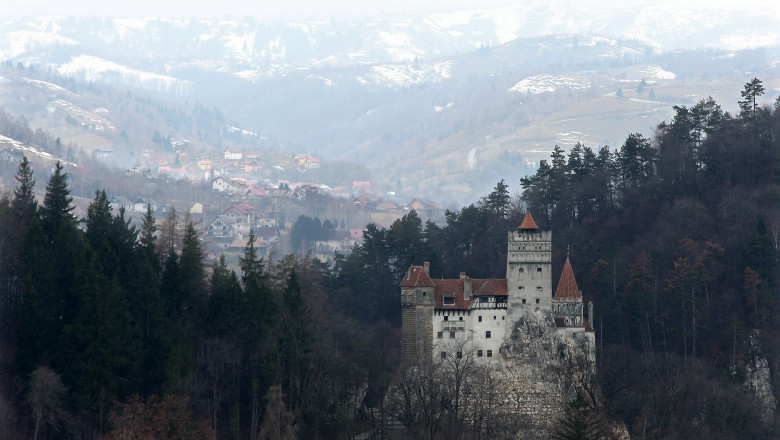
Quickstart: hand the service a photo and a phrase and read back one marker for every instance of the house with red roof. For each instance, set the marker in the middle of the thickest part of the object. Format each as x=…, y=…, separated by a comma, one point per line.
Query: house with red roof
x=442, y=318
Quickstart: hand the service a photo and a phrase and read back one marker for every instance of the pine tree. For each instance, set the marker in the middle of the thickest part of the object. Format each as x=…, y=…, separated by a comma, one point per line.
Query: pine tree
x=224, y=301
x=579, y=421
x=295, y=342
x=40, y=309
x=102, y=349
x=56, y=208
x=749, y=103
x=24, y=199
x=497, y=202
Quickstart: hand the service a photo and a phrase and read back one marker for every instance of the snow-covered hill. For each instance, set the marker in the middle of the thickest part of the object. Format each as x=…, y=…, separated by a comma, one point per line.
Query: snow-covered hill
x=154, y=52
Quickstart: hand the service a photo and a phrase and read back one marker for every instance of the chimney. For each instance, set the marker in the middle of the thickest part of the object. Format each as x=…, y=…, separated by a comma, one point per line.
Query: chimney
x=590, y=313
x=427, y=267
x=466, y=286
x=463, y=275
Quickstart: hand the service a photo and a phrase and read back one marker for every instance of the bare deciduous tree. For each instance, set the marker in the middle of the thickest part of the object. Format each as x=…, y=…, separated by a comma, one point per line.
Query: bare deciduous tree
x=45, y=399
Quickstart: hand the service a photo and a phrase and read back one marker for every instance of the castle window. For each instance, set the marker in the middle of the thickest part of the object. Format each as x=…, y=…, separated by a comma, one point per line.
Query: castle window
x=480, y=318
x=460, y=319
x=538, y=269
x=502, y=318
x=537, y=300
x=452, y=335
x=520, y=288
x=521, y=270
x=459, y=354
x=449, y=301
x=490, y=353
x=523, y=300
x=487, y=334
x=479, y=353
x=538, y=287
x=423, y=293
x=494, y=317
x=439, y=335
x=444, y=355
x=446, y=318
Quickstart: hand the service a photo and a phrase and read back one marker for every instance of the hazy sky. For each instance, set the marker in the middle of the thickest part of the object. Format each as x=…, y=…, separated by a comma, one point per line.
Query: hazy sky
x=283, y=10
x=270, y=9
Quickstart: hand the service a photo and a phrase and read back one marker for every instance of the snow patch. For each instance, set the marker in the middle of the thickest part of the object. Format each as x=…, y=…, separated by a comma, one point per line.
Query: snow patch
x=242, y=131
x=657, y=72
x=326, y=81
x=30, y=149
x=44, y=85
x=18, y=42
x=94, y=69
x=548, y=83
x=404, y=75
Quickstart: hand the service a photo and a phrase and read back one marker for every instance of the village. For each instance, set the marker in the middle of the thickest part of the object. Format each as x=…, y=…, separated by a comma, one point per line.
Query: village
x=266, y=193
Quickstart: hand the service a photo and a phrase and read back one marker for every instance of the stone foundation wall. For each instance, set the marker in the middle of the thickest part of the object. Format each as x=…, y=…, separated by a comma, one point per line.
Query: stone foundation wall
x=541, y=370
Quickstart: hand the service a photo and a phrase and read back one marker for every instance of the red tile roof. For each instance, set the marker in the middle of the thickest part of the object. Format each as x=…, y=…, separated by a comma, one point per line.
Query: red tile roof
x=479, y=287
x=417, y=277
x=587, y=326
x=243, y=208
x=528, y=222
x=567, y=286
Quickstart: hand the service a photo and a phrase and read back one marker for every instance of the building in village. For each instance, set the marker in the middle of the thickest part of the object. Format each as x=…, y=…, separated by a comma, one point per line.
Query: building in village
x=479, y=315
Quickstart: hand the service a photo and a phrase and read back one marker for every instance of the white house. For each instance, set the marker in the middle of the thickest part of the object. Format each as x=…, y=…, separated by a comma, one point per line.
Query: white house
x=223, y=185
x=233, y=155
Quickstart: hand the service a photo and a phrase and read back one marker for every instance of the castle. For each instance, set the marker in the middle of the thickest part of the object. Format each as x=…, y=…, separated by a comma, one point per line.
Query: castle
x=477, y=317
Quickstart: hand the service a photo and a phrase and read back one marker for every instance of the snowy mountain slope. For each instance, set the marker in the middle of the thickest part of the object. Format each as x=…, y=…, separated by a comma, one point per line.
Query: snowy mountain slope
x=382, y=89
x=255, y=50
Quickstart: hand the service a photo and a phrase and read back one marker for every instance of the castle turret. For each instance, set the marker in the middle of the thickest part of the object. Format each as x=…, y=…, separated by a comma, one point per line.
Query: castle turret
x=416, y=312
x=528, y=270
x=567, y=303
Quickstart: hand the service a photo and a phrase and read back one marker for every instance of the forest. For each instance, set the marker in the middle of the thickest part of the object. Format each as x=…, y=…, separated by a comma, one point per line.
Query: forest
x=112, y=332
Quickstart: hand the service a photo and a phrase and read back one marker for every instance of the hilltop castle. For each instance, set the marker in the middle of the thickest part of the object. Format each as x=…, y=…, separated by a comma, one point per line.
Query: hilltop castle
x=477, y=317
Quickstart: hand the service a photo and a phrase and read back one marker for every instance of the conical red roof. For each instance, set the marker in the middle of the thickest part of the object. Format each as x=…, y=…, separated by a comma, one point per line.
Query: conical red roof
x=567, y=286
x=528, y=222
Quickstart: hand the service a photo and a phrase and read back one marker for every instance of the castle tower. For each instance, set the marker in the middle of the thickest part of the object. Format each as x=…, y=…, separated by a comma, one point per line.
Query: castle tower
x=567, y=302
x=528, y=270
x=417, y=300
x=568, y=313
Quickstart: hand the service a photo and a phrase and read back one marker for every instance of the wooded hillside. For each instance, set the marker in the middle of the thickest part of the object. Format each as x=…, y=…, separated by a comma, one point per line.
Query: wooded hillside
x=673, y=237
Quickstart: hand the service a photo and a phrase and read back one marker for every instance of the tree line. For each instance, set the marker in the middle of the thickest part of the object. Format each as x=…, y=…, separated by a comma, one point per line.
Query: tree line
x=109, y=330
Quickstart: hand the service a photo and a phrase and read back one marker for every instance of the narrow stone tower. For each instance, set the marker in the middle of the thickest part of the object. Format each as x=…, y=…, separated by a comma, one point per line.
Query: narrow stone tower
x=417, y=290
x=567, y=303
x=528, y=270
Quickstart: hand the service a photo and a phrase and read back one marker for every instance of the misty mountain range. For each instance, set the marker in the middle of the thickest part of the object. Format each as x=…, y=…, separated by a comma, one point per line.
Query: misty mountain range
x=440, y=105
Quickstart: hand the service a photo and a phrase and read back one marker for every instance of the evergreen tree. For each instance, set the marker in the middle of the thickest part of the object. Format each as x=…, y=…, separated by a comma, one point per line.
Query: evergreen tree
x=148, y=307
x=748, y=106
x=295, y=342
x=148, y=240
x=24, y=199
x=760, y=253
x=225, y=301
x=102, y=349
x=580, y=421
x=56, y=208
x=497, y=202
x=40, y=311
